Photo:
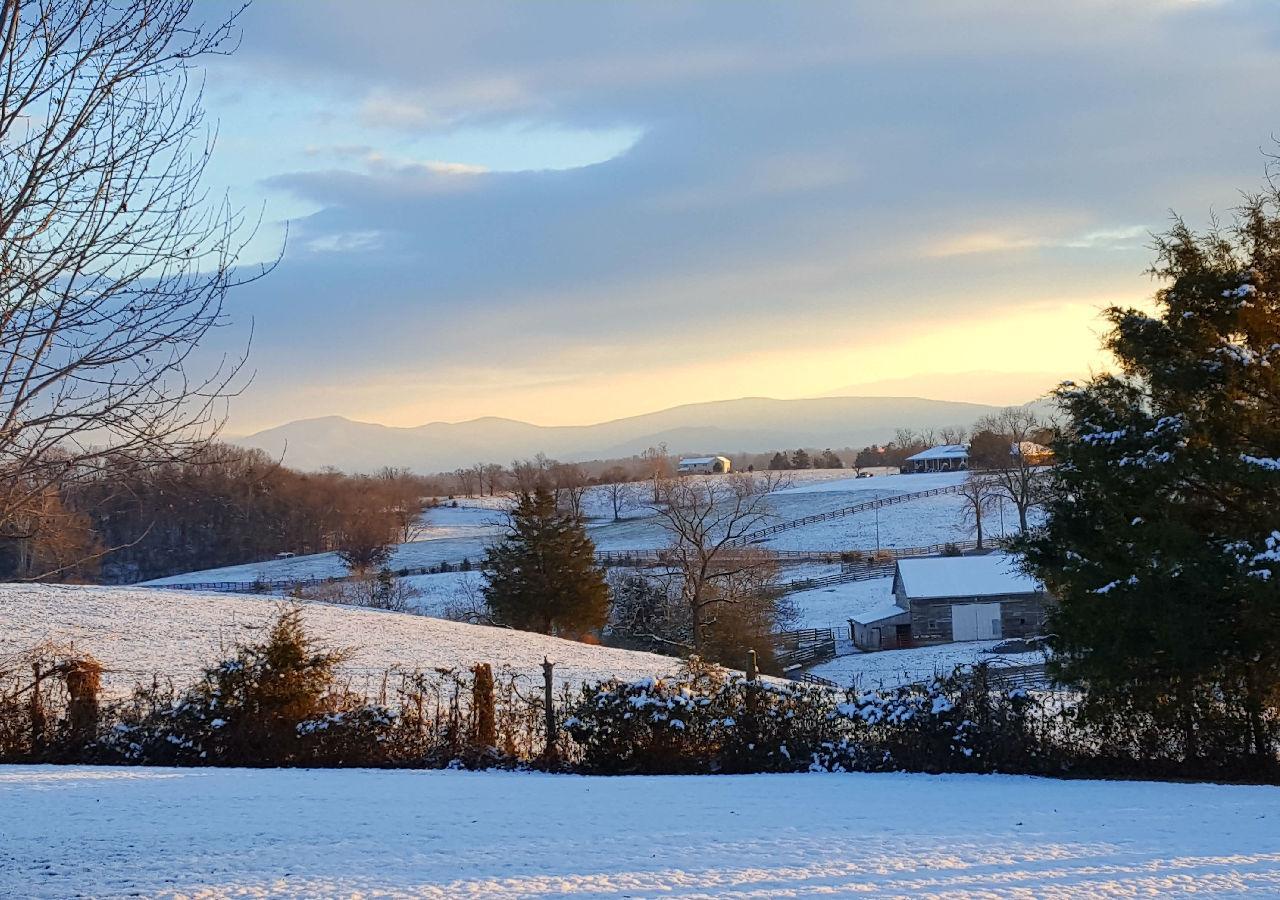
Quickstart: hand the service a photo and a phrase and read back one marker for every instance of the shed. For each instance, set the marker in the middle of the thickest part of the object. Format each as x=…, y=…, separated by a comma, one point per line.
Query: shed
x=887, y=627
x=969, y=598
x=943, y=458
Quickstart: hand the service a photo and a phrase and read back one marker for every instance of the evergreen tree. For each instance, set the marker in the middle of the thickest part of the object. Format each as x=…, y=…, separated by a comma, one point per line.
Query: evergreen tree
x=542, y=577
x=830, y=460
x=800, y=460
x=1162, y=540
x=779, y=462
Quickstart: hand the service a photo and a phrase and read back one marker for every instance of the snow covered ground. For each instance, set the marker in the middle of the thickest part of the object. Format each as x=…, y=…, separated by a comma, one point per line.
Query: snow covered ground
x=831, y=606
x=890, y=668
x=78, y=831
x=138, y=632
x=453, y=534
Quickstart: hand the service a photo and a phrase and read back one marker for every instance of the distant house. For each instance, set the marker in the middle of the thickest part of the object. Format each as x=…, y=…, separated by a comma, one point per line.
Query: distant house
x=703, y=465
x=943, y=458
x=1035, y=454
x=940, y=599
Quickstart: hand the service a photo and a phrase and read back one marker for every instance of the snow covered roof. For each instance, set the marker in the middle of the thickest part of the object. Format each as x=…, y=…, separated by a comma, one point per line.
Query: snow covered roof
x=943, y=451
x=932, y=577
x=879, y=614
x=699, y=460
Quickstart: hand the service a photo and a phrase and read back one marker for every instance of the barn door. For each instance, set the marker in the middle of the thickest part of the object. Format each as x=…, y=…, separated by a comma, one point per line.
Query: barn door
x=975, y=622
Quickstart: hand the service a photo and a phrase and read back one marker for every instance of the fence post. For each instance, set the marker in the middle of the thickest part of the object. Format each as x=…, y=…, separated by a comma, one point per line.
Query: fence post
x=549, y=755
x=84, y=679
x=482, y=703
x=37, y=711
x=753, y=672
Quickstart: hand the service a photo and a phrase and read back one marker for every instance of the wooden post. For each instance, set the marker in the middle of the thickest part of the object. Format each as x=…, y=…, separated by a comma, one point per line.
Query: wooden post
x=753, y=671
x=548, y=687
x=84, y=679
x=482, y=706
x=38, y=722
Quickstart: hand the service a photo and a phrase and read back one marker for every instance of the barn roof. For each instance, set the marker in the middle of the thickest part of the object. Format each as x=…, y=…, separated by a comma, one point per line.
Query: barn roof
x=934, y=577
x=699, y=460
x=943, y=451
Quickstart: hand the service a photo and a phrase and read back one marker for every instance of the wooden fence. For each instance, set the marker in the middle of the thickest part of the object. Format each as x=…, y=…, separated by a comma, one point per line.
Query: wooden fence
x=865, y=506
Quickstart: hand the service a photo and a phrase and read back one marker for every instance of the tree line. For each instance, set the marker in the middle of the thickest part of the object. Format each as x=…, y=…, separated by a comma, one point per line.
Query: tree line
x=122, y=520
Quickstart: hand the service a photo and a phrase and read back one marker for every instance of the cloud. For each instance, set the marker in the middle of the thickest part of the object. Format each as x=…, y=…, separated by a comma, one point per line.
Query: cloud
x=561, y=189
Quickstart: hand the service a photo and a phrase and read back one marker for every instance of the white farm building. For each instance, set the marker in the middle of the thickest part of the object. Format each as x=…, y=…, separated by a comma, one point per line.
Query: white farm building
x=943, y=458
x=704, y=465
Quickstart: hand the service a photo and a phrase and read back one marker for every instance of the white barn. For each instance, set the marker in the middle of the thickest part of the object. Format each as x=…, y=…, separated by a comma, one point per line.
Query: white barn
x=704, y=465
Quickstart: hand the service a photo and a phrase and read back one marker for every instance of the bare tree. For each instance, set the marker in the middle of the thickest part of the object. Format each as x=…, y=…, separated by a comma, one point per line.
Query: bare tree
x=466, y=481
x=977, y=493
x=492, y=477
x=113, y=266
x=657, y=466
x=525, y=475
x=619, y=489
x=113, y=263
x=706, y=519
x=1015, y=463
x=569, y=485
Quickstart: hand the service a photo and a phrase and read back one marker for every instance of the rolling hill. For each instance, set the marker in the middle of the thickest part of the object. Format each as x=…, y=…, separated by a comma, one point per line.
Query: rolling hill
x=753, y=424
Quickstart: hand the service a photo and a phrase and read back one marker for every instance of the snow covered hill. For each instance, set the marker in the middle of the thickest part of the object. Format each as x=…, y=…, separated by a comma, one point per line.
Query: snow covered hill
x=139, y=632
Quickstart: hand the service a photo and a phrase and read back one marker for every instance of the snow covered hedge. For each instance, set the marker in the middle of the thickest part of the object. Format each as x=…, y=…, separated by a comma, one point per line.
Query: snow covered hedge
x=708, y=720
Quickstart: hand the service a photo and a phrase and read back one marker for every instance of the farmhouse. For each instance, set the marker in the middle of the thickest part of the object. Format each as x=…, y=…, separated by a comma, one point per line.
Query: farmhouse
x=939, y=599
x=703, y=465
x=943, y=458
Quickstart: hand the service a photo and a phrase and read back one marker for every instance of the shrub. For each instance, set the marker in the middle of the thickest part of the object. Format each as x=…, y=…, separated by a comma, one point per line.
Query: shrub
x=272, y=703
x=703, y=720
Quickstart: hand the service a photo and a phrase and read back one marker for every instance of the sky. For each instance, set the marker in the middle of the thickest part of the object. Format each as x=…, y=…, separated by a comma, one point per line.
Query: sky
x=572, y=212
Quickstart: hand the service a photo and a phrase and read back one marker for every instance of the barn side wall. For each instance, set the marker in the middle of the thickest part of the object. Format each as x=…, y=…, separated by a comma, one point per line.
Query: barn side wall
x=1021, y=615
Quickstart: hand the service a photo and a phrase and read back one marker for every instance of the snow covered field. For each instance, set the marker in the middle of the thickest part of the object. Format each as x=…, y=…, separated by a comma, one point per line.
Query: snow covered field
x=78, y=831
x=453, y=534
x=141, y=631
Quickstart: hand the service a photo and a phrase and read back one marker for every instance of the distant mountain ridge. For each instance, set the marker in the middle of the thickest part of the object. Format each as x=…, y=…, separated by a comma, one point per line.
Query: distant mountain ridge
x=750, y=424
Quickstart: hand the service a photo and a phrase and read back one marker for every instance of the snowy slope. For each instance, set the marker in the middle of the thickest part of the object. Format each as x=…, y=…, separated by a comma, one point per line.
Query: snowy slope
x=829, y=606
x=79, y=831
x=137, y=632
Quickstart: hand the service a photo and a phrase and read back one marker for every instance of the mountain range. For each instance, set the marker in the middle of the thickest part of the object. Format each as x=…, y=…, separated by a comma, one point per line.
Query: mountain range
x=750, y=424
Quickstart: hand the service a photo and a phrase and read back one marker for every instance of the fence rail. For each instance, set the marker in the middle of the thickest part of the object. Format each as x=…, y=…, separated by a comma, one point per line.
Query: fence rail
x=763, y=533
x=798, y=649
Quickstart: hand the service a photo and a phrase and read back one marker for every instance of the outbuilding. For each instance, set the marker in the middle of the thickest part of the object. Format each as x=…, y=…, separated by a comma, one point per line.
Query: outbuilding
x=886, y=627
x=969, y=598
x=704, y=465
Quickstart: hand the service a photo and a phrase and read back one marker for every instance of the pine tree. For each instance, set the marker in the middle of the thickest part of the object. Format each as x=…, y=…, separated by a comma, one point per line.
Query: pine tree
x=1162, y=540
x=779, y=462
x=800, y=459
x=542, y=577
